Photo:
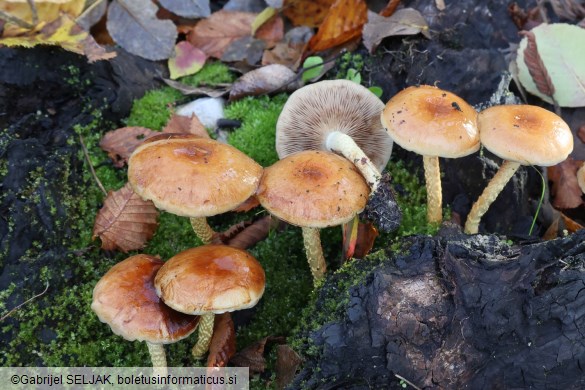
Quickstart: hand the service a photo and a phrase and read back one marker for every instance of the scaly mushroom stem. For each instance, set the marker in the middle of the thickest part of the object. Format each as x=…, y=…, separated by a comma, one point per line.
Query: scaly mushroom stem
x=314, y=252
x=343, y=144
x=489, y=194
x=158, y=358
x=202, y=229
x=434, y=191
x=204, y=335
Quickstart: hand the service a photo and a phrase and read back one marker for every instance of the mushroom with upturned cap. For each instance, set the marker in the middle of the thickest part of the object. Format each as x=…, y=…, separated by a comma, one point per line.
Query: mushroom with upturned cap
x=521, y=135
x=313, y=189
x=125, y=299
x=209, y=280
x=338, y=116
x=434, y=123
x=192, y=177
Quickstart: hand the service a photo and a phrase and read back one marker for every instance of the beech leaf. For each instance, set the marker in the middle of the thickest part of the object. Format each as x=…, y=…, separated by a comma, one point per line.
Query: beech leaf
x=245, y=234
x=536, y=67
x=565, y=188
x=186, y=125
x=343, y=22
x=562, y=52
x=223, y=341
x=125, y=222
x=134, y=26
x=187, y=60
x=310, y=13
x=267, y=79
x=46, y=12
x=253, y=355
x=188, y=8
x=120, y=143
x=262, y=18
x=406, y=21
x=287, y=363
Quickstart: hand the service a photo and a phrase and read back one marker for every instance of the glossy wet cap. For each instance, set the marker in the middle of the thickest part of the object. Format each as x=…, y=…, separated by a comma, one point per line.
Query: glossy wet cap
x=211, y=278
x=526, y=134
x=313, y=189
x=431, y=122
x=315, y=110
x=191, y=176
x=125, y=299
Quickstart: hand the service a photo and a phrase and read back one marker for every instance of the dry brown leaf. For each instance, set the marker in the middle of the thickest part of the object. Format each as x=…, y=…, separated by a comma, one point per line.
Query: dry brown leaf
x=265, y=80
x=310, y=13
x=287, y=363
x=120, y=143
x=271, y=32
x=223, y=341
x=125, y=222
x=214, y=34
x=367, y=234
x=253, y=355
x=284, y=54
x=185, y=125
x=244, y=234
x=343, y=22
x=248, y=205
x=559, y=225
x=406, y=21
x=565, y=188
x=536, y=67
x=390, y=8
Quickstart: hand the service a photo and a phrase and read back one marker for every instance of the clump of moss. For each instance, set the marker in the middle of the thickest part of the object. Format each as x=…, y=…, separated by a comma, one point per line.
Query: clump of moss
x=256, y=136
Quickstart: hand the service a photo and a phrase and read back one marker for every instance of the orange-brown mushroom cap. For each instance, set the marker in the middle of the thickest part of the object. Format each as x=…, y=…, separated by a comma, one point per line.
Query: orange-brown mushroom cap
x=526, y=134
x=125, y=299
x=191, y=176
x=211, y=279
x=431, y=122
x=313, y=189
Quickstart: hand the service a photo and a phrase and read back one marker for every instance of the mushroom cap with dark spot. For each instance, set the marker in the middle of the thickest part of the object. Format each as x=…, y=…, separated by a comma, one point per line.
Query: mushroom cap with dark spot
x=192, y=176
x=526, y=134
x=125, y=299
x=315, y=110
x=313, y=189
x=431, y=122
x=211, y=279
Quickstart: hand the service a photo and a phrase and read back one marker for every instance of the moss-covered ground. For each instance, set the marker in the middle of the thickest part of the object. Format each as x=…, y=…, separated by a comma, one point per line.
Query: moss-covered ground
x=59, y=328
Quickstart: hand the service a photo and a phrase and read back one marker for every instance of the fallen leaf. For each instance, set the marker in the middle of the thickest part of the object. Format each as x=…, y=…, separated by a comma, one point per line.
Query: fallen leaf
x=120, y=143
x=565, y=189
x=289, y=51
x=223, y=341
x=366, y=236
x=560, y=224
x=390, y=8
x=214, y=34
x=343, y=22
x=252, y=201
x=271, y=32
x=265, y=80
x=125, y=222
x=133, y=25
x=572, y=10
x=185, y=125
x=581, y=177
x=187, y=60
x=253, y=355
x=287, y=363
x=247, y=49
x=245, y=234
x=185, y=89
x=522, y=19
x=564, y=61
x=262, y=18
x=310, y=13
x=536, y=67
x=46, y=12
x=92, y=14
x=188, y=8
x=406, y=21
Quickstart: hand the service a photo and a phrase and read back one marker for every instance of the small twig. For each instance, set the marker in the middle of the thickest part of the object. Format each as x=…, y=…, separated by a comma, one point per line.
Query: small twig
x=15, y=20
x=24, y=303
x=407, y=381
x=33, y=10
x=86, y=153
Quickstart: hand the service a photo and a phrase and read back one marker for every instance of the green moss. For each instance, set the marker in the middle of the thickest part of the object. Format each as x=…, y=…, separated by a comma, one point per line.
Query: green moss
x=256, y=137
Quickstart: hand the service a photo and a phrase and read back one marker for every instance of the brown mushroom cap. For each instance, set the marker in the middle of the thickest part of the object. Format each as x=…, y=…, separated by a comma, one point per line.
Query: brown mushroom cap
x=191, y=176
x=125, y=299
x=526, y=134
x=210, y=279
x=311, y=113
x=432, y=122
x=313, y=189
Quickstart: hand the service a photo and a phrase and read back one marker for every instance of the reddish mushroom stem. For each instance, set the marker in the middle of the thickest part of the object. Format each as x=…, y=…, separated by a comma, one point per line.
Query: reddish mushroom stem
x=489, y=195
x=314, y=251
x=434, y=191
x=202, y=229
x=204, y=335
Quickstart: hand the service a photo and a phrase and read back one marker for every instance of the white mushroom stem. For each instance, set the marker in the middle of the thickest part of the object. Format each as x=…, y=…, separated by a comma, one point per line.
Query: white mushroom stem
x=202, y=229
x=314, y=251
x=489, y=195
x=434, y=191
x=205, y=333
x=158, y=358
x=343, y=144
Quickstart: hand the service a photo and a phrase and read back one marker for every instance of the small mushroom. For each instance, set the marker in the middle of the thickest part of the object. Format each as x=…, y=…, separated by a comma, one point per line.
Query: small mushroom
x=520, y=135
x=313, y=190
x=125, y=299
x=434, y=123
x=338, y=116
x=192, y=177
x=209, y=280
